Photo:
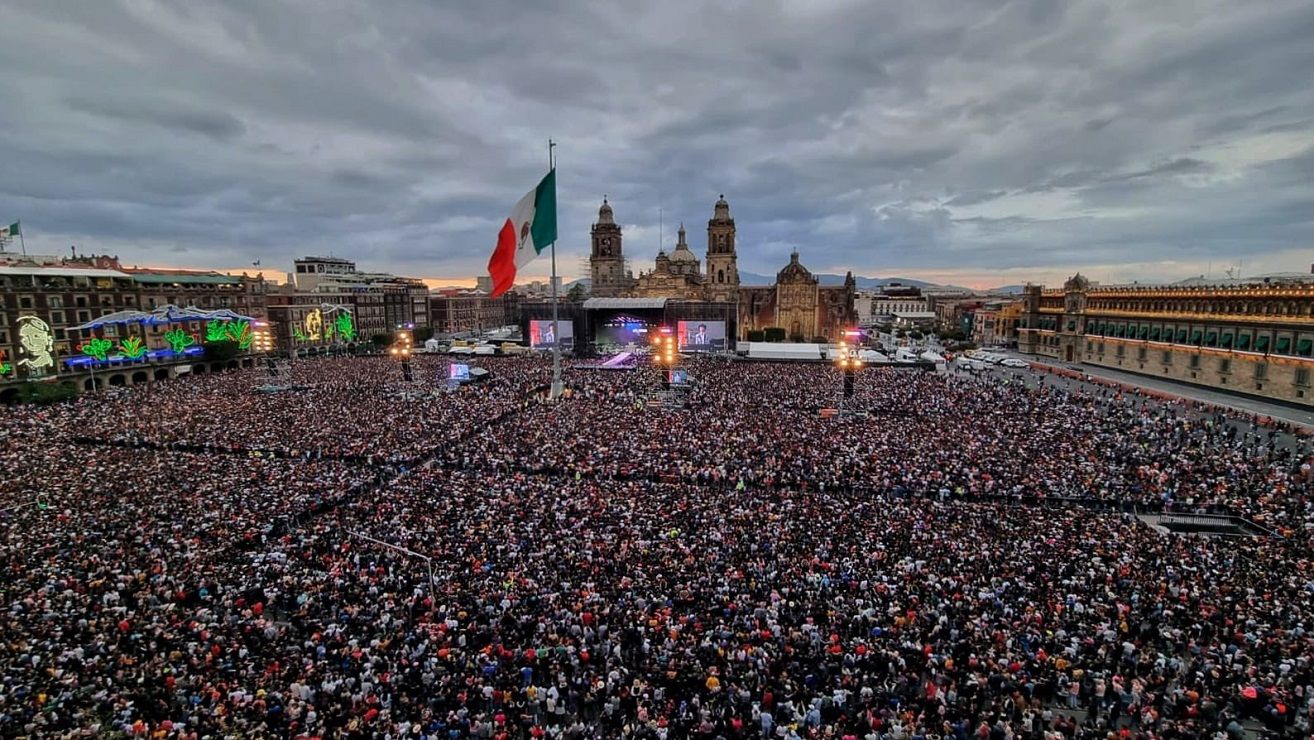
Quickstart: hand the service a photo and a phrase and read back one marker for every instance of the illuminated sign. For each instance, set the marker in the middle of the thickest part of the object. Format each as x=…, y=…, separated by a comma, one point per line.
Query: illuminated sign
x=5, y=367
x=36, y=344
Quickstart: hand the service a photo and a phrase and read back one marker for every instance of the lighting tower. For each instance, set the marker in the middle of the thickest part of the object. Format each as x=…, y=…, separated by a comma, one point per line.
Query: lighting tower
x=401, y=350
x=665, y=354
x=849, y=363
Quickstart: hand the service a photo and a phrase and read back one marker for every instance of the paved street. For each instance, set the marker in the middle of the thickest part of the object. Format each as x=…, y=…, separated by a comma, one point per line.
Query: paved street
x=1238, y=403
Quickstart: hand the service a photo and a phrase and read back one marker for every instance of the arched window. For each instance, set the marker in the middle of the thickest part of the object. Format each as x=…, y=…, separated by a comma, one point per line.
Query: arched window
x=720, y=276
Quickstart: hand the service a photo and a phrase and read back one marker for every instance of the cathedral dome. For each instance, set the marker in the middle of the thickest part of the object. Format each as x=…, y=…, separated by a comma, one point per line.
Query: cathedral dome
x=682, y=252
x=604, y=213
x=794, y=272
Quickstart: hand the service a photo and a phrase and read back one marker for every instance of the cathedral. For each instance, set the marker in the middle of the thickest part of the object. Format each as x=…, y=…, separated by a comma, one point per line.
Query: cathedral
x=796, y=302
x=677, y=275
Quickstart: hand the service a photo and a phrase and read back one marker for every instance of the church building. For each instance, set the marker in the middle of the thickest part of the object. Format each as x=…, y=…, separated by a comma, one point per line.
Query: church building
x=796, y=302
x=799, y=304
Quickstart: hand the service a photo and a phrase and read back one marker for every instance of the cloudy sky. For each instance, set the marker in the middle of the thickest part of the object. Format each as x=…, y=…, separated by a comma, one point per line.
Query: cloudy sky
x=976, y=143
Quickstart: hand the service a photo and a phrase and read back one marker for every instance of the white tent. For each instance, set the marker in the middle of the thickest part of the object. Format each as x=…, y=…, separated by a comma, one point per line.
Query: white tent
x=784, y=351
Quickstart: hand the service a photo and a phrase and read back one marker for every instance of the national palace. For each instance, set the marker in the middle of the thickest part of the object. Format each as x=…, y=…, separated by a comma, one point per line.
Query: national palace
x=1253, y=336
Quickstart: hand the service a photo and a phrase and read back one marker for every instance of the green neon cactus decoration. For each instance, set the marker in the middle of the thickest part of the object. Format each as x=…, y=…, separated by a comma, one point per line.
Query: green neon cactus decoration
x=132, y=348
x=5, y=367
x=97, y=348
x=216, y=331
x=346, y=328
x=328, y=332
x=297, y=334
x=179, y=340
x=240, y=332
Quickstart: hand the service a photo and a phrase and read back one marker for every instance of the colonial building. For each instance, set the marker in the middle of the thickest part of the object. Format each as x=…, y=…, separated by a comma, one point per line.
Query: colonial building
x=677, y=276
x=1254, y=336
x=56, y=294
x=796, y=302
x=607, y=258
x=454, y=312
x=379, y=303
x=722, y=260
x=799, y=304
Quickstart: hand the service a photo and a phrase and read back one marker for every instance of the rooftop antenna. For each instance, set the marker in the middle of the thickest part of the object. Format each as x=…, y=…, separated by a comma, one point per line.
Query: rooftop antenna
x=661, y=233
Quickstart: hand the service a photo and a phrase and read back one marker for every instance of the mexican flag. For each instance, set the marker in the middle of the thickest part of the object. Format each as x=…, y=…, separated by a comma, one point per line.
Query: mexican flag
x=10, y=230
x=530, y=229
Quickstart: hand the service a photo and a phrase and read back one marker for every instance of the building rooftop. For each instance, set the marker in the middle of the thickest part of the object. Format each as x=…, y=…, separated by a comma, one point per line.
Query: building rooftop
x=166, y=278
x=611, y=303
x=62, y=272
x=337, y=260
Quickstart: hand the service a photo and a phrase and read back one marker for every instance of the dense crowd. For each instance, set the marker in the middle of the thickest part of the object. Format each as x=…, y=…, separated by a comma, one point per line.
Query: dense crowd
x=353, y=409
x=366, y=557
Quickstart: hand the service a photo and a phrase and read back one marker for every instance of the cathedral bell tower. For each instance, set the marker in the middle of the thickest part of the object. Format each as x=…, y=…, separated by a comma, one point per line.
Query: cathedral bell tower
x=722, y=278
x=606, y=261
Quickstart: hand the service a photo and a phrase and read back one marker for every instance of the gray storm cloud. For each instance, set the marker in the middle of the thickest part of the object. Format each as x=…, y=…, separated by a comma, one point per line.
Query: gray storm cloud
x=905, y=137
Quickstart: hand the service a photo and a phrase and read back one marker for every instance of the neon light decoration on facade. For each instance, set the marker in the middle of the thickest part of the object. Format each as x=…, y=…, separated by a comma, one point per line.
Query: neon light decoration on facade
x=5, y=367
x=179, y=340
x=314, y=325
x=216, y=331
x=220, y=325
x=132, y=348
x=238, y=331
x=346, y=326
x=98, y=348
x=36, y=344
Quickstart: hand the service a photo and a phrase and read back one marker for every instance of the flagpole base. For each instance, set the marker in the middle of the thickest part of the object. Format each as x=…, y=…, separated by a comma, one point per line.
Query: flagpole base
x=557, y=389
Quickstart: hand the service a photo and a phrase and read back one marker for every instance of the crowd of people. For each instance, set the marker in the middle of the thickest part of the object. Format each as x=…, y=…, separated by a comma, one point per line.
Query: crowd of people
x=361, y=556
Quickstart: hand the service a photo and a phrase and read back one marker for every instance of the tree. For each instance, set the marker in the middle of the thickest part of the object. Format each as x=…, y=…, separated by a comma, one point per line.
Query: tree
x=222, y=350
x=381, y=340
x=44, y=393
x=756, y=335
x=576, y=293
x=422, y=334
x=774, y=333
x=915, y=334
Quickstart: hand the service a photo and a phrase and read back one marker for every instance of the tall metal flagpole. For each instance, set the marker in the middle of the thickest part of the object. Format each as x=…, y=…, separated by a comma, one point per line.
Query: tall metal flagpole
x=556, y=332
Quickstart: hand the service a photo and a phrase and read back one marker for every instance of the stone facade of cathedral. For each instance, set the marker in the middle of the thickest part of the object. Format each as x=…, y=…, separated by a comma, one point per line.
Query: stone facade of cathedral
x=799, y=304
x=796, y=302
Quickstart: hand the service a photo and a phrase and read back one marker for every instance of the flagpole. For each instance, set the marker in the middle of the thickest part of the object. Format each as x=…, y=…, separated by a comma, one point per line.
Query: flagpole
x=21, y=241
x=556, y=332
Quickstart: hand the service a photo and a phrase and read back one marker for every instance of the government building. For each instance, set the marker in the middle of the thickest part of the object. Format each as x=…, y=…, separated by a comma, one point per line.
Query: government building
x=1253, y=336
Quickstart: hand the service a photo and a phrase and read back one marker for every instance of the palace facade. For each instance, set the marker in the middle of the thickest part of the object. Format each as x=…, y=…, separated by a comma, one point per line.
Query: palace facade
x=1253, y=336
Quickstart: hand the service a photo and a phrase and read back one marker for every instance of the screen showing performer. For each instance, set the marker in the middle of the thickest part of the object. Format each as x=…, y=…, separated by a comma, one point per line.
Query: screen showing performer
x=542, y=336
x=701, y=336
